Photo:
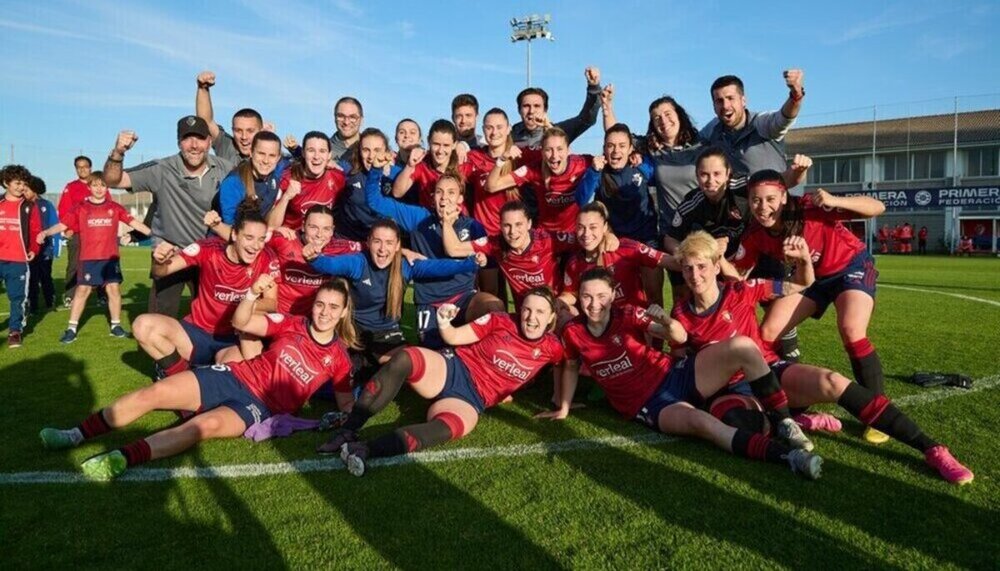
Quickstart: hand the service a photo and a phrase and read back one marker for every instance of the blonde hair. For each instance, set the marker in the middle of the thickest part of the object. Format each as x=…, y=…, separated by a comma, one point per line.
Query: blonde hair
x=698, y=244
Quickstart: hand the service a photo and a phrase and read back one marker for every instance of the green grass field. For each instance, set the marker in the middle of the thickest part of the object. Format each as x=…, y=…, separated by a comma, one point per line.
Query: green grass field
x=519, y=493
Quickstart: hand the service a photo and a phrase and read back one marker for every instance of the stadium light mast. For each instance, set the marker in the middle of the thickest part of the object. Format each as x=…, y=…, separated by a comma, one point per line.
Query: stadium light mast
x=533, y=27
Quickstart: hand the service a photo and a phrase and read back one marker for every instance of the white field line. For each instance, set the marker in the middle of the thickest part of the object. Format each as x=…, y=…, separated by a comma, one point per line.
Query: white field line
x=428, y=457
x=957, y=295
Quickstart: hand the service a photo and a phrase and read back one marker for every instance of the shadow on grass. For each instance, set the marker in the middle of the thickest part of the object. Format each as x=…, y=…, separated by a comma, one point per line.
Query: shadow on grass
x=692, y=503
x=414, y=518
x=939, y=524
x=112, y=525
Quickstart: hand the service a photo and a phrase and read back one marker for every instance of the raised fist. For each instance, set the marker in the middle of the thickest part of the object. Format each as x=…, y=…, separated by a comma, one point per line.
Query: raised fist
x=801, y=163
x=593, y=75
x=206, y=79
x=417, y=154
x=163, y=252
x=293, y=190
x=270, y=127
x=446, y=312
x=263, y=283
x=599, y=162
x=793, y=79
x=795, y=248
x=608, y=95
x=656, y=313
x=126, y=140
x=514, y=152
x=291, y=143
x=211, y=218
x=481, y=259
x=310, y=252
x=823, y=199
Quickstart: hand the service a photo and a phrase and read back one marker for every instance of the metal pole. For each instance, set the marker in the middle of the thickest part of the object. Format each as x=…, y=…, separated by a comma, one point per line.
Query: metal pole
x=529, y=63
x=954, y=149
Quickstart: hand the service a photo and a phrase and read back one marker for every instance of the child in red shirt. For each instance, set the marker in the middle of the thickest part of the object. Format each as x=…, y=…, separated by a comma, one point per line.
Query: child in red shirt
x=96, y=220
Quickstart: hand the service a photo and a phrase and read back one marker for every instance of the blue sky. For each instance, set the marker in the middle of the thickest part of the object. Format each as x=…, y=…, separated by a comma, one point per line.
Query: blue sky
x=77, y=72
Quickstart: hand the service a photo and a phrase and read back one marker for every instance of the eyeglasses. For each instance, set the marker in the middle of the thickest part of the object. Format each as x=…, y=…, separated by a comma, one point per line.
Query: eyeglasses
x=350, y=118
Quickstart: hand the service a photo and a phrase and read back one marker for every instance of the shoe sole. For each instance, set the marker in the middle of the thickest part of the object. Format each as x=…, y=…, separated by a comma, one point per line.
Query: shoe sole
x=355, y=465
x=815, y=468
x=68, y=342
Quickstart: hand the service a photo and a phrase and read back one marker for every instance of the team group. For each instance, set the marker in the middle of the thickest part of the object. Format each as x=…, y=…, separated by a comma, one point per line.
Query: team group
x=299, y=287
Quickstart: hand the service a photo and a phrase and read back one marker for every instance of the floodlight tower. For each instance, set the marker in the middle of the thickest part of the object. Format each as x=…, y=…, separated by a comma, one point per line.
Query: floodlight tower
x=533, y=27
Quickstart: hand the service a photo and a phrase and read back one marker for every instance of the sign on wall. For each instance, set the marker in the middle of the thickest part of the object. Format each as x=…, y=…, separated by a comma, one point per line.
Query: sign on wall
x=929, y=198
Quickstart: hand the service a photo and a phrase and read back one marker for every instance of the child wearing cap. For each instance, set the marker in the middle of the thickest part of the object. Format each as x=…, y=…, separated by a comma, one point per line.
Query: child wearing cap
x=18, y=222
x=96, y=222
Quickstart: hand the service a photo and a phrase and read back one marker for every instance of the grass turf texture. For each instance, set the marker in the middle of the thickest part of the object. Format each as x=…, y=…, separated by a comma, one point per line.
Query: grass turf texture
x=667, y=504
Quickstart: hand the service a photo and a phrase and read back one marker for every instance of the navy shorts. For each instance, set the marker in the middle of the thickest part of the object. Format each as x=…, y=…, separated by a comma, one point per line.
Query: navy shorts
x=458, y=382
x=427, y=319
x=859, y=275
x=677, y=386
x=204, y=345
x=99, y=272
x=220, y=387
x=779, y=367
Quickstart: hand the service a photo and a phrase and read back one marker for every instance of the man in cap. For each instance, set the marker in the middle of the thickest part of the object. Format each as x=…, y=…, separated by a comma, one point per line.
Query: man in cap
x=183, y=186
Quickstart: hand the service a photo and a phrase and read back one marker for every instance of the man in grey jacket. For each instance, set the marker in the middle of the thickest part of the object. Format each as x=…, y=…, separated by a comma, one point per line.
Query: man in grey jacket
x=533, y=105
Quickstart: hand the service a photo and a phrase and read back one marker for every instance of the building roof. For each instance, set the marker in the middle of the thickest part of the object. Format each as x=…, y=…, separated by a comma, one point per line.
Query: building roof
x=977, y=127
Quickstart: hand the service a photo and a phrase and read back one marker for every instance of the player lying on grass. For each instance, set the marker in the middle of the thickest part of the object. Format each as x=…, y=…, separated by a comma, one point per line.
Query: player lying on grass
x=492, y=358
x=304, y=353
x=226, y=270
x=845, y=271
x=714, y=313
x=647, y=385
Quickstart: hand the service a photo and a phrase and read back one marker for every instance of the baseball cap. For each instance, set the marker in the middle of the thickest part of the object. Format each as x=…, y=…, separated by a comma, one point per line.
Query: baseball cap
x=192, y=125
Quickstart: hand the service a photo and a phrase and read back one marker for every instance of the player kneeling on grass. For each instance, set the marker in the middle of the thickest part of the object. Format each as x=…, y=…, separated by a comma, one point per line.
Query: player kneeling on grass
x=95, y=221
x=713, y=313
x=304, y=353
x=647, y=385
x=492, y=358
x=225, y=271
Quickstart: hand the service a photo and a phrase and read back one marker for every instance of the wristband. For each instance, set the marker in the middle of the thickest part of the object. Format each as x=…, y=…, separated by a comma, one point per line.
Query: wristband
x=111, y=159
x=501, y=161
x=251, y=295
x=792, y=96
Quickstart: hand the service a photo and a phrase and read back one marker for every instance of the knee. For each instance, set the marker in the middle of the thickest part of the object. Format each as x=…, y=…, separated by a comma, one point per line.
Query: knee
x=208, y=426
x=744, y=349
x=850, y=332
x=769, y=331
x=142, y=327
x=831, y=385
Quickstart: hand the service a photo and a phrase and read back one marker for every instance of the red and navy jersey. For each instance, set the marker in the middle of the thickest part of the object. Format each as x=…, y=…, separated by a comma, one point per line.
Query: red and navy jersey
x=619, y=359
x=222, y=283
x=734, y=313
x=831, y=244
x=624, y=264
x=425, y=178
x=557, y=197
x=503, y=361
x=486, y=205
x=20, y=223
x=323, y=190
x=96, y=223
x=294, y=366
x=537, y=265
x=299, y=281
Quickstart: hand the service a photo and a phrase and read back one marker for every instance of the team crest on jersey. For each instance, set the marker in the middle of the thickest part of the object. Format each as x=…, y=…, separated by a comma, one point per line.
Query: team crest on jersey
x=192, y=249
x=482, y=241
x=483, y=320
x=735, y=214
x=534, y=259
x=536, y=353
x=677, y=219
x=740, y=253
x=86, y=277
x=463, y=235
x=616, y=339
x=110, y=212
x=327, y=360
x=637, y=179
x=727, y=317
x=367, y=282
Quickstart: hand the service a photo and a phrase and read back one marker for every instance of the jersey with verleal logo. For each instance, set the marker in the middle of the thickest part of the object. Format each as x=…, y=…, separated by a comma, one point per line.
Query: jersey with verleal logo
x=619, y=359
x=536, y=266
x=96, y=223
x=294, y=366
x=222, y=283
x=323, y=190
x=734, y=313
x=502, y=361
x=624, y=264
x=831, y=244
x=299, y=281
x=425, y=178
x=557, y=200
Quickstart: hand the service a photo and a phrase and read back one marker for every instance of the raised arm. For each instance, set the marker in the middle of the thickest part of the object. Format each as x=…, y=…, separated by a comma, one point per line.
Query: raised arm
x=608, y=106
x=449, y=238
x=406, y=215
x=864, y=206
x=277, y=214
x=404, y=180
x=441, y=268
x=796, y=91
x=497, y=181
x=166, y=261
x=203, y=102
x=796, y=249
x=796, y=172
x=114, y=175
x=249, y=317
x=216, y=225
x=451, y=335
x=351, y=266
x=576, y=126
